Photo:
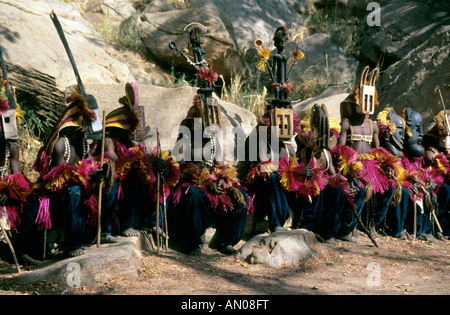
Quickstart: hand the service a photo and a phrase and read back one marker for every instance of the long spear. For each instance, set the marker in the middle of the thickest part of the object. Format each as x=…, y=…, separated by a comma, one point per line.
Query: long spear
x=160, y=190
x=93, y=128
x=100, y=185
x=158, y=186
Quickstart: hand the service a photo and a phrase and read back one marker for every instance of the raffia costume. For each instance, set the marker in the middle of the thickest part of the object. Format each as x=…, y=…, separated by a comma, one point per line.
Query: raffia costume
x=194, y=206
x=64, y=195
x=13, y=183
x=136, y=175
x=392, y=130
x=439, y=166
x=417, y=173
x=369, y=168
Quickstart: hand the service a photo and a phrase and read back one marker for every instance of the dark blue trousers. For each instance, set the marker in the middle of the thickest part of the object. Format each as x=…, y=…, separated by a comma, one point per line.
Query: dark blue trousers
x=271, y=200
x=109, y=208
x=396, y=216
x=333, y=212
x=383, y=203
x=29, y=238
x=347, y=220
x=330, y=214
x=307, y=212
x=443, y=215
x=190, y=218
x=69, y=214
x=136, y=208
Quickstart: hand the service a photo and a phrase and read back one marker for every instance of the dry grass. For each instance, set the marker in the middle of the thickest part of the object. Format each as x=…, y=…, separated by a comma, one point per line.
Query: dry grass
x=29, y=146
x=238, y=94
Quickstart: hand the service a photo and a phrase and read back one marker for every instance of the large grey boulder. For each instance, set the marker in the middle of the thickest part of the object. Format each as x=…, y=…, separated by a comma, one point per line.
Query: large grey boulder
x=165, y=108
x=279, y=248
x=346, y=8
x=331, y=97
x=160, y=28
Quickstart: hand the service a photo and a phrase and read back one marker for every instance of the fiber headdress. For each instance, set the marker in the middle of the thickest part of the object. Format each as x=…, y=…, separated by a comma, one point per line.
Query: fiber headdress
x=123, y=117
x=387, y=127
x=75, y=115
x=4, y=106
x=440, y=128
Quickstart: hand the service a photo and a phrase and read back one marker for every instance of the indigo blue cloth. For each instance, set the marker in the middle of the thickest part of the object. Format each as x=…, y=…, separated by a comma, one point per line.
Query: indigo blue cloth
x=330, y=214
x=443, y=213
x=69, y=214
x=193, y=214
x=109, y=208
x=136, y=207
x=348, y=221
x=271, y=200
x=396, y=215
x=383, y=203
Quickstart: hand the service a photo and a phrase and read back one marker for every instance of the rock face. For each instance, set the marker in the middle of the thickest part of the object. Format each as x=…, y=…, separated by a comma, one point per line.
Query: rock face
x=414, y=80
x=252, y=19
x=165, y=108
x=324, y=63
x=279, y=248
x=404, y=26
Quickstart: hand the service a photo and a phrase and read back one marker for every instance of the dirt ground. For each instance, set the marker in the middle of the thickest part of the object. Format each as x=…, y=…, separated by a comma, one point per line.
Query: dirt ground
x=394, y=268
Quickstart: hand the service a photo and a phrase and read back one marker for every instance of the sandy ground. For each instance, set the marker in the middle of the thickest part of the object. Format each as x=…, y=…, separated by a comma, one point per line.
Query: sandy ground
x=394, y=268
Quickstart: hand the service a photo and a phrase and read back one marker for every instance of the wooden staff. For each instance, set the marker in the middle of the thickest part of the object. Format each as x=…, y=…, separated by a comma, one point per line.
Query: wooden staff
x=415, y=220
x=437, y=221
x=10, y=246
x=366, y=230
x=100, y=186
x=158, y=185
x=165, y=217
x=161, y=190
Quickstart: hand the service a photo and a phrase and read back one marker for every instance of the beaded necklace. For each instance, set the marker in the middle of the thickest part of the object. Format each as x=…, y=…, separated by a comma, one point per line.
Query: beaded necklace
x=4, y=168
x=67, y=149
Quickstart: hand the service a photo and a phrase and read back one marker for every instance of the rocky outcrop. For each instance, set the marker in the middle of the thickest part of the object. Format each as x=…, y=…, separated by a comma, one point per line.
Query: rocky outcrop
x=96, y=266
x=404, y=25
x=37, y=63
x=324, y=64
x=414, y=80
